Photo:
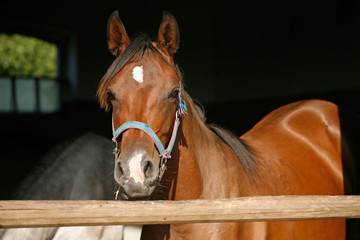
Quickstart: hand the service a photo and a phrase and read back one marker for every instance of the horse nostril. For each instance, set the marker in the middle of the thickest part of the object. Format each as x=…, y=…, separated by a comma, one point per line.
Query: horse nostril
x=148, y=169
x=121, y=169
x=118, y=171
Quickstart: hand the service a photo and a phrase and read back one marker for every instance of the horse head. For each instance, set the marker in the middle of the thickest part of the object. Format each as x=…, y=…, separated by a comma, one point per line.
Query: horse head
x=142, y=87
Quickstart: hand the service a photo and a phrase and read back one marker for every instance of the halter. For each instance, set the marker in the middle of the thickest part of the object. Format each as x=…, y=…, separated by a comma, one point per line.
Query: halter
x=164, y=153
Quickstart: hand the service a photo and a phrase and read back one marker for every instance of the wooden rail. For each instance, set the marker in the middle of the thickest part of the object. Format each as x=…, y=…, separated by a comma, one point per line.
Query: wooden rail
x=88, y=213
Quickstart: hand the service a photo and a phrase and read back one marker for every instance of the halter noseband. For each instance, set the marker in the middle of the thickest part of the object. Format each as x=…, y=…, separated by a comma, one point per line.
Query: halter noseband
x=164, y=153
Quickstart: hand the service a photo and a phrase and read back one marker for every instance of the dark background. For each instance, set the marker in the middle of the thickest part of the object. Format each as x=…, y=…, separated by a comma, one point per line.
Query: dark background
x=241, y=59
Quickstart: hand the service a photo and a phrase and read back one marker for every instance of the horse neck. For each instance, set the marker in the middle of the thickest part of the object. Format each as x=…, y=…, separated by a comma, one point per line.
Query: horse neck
x=207, y=167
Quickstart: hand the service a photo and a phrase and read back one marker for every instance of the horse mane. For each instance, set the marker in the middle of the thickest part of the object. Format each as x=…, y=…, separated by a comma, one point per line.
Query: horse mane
x=240, y=147
x=134, y=52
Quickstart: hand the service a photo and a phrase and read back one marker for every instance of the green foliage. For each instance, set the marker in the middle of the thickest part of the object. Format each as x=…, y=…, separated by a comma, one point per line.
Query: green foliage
x=23, y=56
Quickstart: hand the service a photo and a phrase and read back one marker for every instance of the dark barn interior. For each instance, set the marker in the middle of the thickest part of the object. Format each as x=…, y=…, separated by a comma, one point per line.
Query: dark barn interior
x=240, y=60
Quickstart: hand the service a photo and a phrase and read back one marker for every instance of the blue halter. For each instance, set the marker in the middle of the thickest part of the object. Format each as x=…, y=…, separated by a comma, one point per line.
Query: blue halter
x=146, y=128
x=164, y=153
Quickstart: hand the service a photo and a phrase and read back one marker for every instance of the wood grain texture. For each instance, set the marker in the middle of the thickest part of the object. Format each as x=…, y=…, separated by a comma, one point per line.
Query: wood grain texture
x=14, y=214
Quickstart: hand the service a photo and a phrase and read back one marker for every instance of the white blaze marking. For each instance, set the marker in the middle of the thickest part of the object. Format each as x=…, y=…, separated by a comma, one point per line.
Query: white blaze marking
x=138, y=74
x=135, y=169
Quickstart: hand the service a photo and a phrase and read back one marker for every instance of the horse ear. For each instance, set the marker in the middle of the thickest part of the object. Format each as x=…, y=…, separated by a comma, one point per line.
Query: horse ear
x=168, y=36
x=117, y=37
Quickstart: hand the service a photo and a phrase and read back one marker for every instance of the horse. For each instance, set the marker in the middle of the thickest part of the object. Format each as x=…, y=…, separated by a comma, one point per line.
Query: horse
x=165, y=150
x=73, y=170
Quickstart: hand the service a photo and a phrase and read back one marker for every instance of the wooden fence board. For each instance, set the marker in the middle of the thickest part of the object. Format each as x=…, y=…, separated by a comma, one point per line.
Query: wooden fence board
x=15, y=214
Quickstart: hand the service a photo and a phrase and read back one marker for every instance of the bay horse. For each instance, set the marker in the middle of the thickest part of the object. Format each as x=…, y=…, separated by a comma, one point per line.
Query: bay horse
x=166, y=150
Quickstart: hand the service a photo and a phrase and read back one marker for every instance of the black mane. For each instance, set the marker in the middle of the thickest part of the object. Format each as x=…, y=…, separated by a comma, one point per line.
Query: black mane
x=240, y=147
x=242, y=150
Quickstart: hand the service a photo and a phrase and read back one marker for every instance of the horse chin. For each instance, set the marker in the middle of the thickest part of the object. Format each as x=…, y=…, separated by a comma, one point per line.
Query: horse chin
x=124, y=196
x=133, y=194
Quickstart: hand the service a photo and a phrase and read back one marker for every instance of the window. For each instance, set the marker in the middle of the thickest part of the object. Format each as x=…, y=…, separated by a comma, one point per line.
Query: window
x=28, y=75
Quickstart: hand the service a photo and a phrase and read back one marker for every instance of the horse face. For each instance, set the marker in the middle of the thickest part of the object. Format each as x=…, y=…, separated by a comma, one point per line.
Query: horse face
x=144, y=90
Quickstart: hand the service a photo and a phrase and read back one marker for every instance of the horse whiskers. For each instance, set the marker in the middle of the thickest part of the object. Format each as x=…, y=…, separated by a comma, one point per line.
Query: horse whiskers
x=161, y=191
x=117, y=193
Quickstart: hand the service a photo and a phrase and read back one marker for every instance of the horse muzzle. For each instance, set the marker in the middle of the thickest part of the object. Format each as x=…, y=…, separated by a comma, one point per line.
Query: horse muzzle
x=137, y=175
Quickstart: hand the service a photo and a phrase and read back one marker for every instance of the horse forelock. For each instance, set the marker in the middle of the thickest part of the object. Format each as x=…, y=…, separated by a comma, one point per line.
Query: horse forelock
x=134, y=52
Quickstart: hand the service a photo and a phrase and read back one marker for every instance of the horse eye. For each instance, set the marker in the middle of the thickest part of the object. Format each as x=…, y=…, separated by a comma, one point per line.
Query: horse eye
x=110, y=96
x=174, y=93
